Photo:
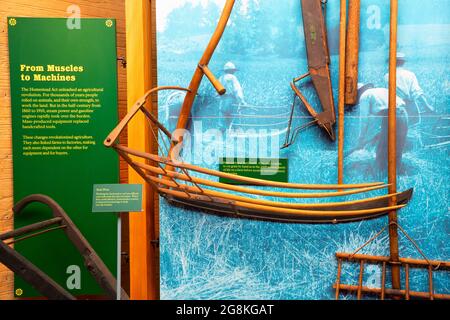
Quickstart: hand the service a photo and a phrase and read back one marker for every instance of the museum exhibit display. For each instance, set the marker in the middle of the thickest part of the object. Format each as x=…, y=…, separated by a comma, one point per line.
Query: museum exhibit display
x=226, y=150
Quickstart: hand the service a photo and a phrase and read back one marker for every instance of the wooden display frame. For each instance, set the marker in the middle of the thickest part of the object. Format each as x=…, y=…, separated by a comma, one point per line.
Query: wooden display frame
x=141, y=76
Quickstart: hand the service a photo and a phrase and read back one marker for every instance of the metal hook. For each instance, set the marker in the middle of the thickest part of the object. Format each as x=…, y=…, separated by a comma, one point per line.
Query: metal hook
x=291, y=140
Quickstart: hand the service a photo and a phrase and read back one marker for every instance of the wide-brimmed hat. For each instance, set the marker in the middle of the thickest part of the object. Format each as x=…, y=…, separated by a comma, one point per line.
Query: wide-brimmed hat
x=229, y=67
x=401, y=56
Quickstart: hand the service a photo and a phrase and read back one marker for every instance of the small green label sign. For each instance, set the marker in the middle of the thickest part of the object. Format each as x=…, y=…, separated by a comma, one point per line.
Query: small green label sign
x=117, y=198
x=267, y=169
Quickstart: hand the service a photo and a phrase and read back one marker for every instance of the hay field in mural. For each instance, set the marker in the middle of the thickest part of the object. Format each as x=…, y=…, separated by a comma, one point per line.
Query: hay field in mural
x=209, y=257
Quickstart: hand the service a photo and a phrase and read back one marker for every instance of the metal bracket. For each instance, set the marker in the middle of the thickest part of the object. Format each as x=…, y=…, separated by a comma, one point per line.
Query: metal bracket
x=123, y=61
x=155, y=243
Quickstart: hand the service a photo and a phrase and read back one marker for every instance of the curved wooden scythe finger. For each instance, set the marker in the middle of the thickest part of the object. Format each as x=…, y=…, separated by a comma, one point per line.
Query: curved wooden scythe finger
x=246, y=180
x=180, y=176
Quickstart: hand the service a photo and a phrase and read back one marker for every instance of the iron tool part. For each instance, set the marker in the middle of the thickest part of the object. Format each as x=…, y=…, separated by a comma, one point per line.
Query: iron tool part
x=319, y=68
x=223, y=207
x=32, y=274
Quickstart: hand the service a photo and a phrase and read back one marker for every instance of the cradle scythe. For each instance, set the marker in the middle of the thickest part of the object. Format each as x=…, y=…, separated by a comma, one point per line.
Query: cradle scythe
x=319, y=71
x=176, y=180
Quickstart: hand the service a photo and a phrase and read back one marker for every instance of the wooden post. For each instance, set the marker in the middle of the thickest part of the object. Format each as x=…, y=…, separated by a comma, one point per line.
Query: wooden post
x=141, y=76
x=341, y=102
x=352, y=52
x=392, y=145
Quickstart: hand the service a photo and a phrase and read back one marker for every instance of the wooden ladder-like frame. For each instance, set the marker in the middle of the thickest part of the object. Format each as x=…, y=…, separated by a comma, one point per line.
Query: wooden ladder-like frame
x=404, y=263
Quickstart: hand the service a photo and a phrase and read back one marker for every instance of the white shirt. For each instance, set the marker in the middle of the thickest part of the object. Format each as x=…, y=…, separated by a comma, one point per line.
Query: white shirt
x=375, y=100
x=407, y=84
x=371, y=102
x=232, y=85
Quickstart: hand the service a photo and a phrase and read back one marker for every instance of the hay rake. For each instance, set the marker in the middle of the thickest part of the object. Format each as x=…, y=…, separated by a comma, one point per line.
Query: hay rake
x=431, y=266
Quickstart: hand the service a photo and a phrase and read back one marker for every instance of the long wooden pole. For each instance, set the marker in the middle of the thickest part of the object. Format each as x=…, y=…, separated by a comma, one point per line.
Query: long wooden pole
x=392, y=144
x=207, y=55
x=341, y=101
x=186, y=108
x=352, y=52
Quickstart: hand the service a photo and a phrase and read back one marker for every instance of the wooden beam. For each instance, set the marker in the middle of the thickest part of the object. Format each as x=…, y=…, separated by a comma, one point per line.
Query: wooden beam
x=141, y=76
x=341, y=101
x=392, y=144
x=352, y=52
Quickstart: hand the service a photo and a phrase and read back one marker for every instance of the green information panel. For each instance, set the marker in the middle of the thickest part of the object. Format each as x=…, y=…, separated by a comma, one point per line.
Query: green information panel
x=267, y=169
x=117, y=198
x=64, y=103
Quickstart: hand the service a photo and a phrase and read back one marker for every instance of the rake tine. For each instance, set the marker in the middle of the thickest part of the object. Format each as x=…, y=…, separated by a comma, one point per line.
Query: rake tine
x=383, y=281
x=361, y=275
x=338, y=279
x=407, y=281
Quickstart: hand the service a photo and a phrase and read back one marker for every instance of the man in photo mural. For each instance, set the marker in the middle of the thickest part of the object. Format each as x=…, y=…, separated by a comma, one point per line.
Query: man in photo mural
x=416, y=104
x=373, y=106
x=408, y=88
x=231, y=102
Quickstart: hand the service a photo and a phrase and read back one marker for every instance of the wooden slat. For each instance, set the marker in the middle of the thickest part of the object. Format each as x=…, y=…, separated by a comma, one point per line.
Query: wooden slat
x=442, y=265
x=144, y=264
x=352, y=52
x=394, y=292
x=392, y=143
x=341, y=98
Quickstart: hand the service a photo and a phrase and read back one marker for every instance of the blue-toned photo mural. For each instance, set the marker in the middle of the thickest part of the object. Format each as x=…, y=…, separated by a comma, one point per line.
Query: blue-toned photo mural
x=262, y=50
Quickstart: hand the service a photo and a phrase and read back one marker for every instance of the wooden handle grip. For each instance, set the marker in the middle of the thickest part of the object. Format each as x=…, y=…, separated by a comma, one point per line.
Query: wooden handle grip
x=352, y=49
x=214, y=81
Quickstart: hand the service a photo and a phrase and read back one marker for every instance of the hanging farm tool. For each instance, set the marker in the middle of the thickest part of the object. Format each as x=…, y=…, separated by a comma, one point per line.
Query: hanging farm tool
x=431, y=267
x=319, y=71
x=36, y=277
x=394, y=260
x=177, y=181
